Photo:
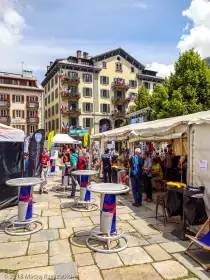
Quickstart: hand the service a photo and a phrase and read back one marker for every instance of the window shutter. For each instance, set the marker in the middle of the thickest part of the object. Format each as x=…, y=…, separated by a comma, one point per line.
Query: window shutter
x=23, y=114
x=84, y=92
x=91, y=78
x=107, y=93
x=27, y=98
x=28, y=129
x=13, y=113
x=101, y=108
x=22, y=99
x=107, y=80
x=37, y=99
x=101, y=80
x=101, y=93
x=8, y=97
x=13, y=98
x=108, y=109
x=115, y=95
x=83, y=77
x=91, y=107
x=135, y=83
x=91, y=123
x=91, y=92
x=83, y=107
x=84, y=124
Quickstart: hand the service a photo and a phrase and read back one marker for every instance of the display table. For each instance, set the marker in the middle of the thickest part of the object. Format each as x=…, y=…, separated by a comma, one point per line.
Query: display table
x=107, y=230
x=25, y=220
x=84, y=203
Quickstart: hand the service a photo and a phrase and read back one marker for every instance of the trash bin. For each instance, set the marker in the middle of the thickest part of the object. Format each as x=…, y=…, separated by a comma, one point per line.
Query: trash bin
x=174, y=201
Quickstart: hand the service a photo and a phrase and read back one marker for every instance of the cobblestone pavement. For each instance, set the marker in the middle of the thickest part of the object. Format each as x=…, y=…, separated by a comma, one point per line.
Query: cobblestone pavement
x=152, y=253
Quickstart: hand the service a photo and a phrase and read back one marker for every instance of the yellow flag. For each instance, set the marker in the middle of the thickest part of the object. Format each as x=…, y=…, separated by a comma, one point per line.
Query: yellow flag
x=50, y=139
x=85, y=143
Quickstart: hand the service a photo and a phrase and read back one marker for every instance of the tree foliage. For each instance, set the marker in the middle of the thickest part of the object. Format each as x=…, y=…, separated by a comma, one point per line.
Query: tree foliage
x=185, y=91
x=141, y=101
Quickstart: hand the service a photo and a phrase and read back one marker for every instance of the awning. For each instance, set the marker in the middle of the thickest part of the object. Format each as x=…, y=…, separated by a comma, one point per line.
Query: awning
x=10, y=134
x=64, y=139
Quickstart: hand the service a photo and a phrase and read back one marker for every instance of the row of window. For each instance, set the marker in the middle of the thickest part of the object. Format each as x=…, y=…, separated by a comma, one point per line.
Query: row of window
x=18, y=114
x=19, y=98
x=118, y=66
x=15, y=82
x=30, y=128
x=54, y=124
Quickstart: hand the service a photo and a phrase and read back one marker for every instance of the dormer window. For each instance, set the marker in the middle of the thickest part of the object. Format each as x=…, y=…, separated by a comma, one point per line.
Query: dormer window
x=104, y=64
x=118, y=67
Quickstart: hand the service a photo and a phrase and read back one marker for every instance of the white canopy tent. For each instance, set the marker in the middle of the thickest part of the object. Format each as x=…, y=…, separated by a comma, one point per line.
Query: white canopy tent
x=64, y=139
x=10, y=134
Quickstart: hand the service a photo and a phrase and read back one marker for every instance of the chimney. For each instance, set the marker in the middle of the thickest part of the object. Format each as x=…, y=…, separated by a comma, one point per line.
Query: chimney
x=51, y=63
x=48, y=67
x=85, y=55
x=79, y=54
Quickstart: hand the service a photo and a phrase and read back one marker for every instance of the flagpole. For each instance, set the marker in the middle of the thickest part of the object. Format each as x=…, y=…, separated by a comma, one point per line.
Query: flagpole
x=59, y=94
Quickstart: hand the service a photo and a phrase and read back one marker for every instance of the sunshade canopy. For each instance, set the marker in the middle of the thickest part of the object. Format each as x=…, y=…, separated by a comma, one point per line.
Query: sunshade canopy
x=64, y=139
x=10, y=134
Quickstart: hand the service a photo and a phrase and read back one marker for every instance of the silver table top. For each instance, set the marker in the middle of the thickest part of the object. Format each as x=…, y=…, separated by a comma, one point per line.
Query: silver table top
x=84, y=172
x=21, y=182
x=108, y=188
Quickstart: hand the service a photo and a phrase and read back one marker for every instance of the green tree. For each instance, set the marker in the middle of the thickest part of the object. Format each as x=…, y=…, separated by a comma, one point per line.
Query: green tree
x=186, y=91
x=141, y=101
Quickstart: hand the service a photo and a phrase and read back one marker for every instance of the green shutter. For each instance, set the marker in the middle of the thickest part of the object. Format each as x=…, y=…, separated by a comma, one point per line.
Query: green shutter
x=107, y=93
x=115, y=95
x=91, y=92
x=108, y=80
x=108, y=108
x=101, y=80
x=101, y=105
x=83, y=91
x=91, y=107
x=101, y=93
x=91, y=123
x=83, y=106
x=84, y=126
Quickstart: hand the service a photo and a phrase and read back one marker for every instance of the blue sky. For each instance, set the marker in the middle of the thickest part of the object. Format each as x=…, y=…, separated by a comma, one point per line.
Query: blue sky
x=150, y=30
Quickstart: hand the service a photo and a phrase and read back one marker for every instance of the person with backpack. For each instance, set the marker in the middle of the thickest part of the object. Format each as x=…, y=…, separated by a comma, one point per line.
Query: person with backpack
x=136, y=176
x=107, y=172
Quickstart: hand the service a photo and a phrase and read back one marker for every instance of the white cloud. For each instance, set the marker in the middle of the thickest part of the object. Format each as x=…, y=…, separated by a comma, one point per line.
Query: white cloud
x=162, y=69
x=198, y=36
x=141, y=5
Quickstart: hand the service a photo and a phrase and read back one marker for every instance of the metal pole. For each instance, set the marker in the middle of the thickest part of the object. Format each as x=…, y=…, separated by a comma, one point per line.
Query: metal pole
x=59, y=95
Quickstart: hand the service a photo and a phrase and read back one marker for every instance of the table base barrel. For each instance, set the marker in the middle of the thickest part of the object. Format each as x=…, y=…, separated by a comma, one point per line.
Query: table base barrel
x=108, y=213
x=25, y=204
x=84, y=193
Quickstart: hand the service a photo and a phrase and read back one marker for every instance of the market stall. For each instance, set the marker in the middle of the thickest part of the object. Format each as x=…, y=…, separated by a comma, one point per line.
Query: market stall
x=11, y=163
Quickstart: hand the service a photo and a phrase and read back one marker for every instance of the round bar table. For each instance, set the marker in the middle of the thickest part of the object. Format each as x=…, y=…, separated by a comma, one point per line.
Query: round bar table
x=84, y=203
x=107, y=230
x=25, y=220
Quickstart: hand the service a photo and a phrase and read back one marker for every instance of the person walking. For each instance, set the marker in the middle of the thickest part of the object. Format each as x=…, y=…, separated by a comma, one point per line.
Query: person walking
x=147, y=168
x=73, y=167
x=106, y=160
x=45, y=162
x=136, y=176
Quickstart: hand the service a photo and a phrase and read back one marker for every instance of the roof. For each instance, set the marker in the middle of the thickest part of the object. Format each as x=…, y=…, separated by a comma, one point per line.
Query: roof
x=17, y=76
x=124, y=54
x=149, y=77
x=155, y=128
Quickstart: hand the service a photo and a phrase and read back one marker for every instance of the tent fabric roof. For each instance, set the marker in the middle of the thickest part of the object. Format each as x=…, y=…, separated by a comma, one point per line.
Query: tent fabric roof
x=156, y=128
x=64, y=139
x=11, y=134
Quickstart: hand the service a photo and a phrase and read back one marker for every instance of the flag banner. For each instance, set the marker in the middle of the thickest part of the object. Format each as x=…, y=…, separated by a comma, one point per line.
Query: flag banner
x=35, y=152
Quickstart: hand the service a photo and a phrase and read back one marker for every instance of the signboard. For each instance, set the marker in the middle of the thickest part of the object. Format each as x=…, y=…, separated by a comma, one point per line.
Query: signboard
x=78, y=131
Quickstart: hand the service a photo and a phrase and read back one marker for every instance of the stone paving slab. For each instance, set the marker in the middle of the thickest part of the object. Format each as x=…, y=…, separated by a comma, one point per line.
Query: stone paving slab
x=72, y=214
x=125, y=217
x=126, y=227
x=84, y=259
x=47, y=272
x=105, y=261
x=143, y=228
x=89, y=273
x=38, y=248
x=134, y=255
x=61, y=258
x=82, y=247
x=66, y=270
x=56, y=222
x=170, y=269
x=157, y=253
x=45, y=235
x=135, y=239
x=57, y=247
x=136, y=272
x=65, y=233
x=45, y=221
x=4, y=238
x=13, y=249
x=24, y=262
x=51, y=212
x=78, y=222
x=172, y=247
x=161, y=238
x=143, y=215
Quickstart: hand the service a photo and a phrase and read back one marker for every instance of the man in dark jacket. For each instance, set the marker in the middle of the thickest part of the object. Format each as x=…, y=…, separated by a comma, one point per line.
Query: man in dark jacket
x=106, y=160
x=136, y=175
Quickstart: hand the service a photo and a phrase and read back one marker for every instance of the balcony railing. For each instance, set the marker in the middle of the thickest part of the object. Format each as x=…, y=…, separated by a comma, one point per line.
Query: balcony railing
x=118, y=114
x=71, y=95
x=75, y=112
x=5, y=119
x=71, y=80
x=120, y=85
x=4, y=103
x=32, y=120
x=32, y=105
x=118, y=99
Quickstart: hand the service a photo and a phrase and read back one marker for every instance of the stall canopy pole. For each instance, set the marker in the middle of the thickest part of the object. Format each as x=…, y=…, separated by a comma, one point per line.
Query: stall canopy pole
x=180, y=158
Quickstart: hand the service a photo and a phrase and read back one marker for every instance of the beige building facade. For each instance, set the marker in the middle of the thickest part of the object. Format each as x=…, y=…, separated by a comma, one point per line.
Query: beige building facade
x=83, y=92
x=20, y=101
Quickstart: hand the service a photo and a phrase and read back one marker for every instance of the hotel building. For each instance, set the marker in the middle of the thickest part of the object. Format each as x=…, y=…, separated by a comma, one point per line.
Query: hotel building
x=20, y=101
x=83, y=92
